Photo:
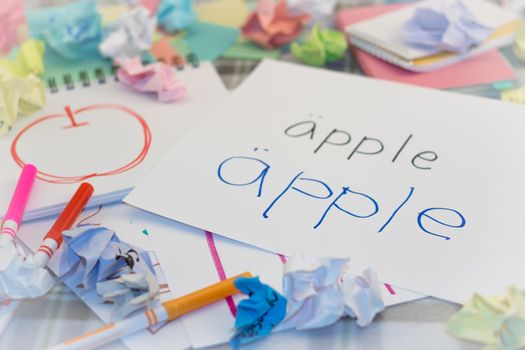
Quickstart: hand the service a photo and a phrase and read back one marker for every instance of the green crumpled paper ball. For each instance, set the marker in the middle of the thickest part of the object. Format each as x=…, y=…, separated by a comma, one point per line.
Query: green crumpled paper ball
x=320, y=47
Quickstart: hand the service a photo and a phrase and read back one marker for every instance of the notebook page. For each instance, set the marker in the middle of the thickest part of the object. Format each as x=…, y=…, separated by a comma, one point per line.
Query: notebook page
x=113, y=137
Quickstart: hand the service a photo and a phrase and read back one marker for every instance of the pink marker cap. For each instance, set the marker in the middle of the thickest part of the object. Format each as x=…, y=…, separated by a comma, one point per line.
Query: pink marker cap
x=21, y=194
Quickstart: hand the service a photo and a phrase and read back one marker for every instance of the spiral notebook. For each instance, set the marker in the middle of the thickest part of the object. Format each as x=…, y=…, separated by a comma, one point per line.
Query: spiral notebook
x=100, y=131
x=381, y=37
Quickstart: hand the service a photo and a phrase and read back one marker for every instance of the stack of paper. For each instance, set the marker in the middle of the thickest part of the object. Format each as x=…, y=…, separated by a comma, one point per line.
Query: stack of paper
x=382, y=37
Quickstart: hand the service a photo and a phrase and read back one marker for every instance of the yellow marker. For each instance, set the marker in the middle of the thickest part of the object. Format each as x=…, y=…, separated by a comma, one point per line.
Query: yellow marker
x=169, y=311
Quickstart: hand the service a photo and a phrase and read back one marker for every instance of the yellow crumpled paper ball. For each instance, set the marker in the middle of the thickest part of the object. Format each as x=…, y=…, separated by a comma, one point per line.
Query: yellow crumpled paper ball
x=496, y=321
x=19, y=96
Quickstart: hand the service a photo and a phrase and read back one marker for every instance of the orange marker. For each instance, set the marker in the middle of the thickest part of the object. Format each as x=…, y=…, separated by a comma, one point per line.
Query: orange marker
x=169, y=311
x=65, y=221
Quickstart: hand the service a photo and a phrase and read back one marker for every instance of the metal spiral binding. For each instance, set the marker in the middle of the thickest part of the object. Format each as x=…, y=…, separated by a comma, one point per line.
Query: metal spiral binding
x=100, y=75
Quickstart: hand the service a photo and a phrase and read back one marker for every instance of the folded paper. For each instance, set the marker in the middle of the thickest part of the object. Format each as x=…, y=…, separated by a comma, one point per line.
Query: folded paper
x=156, y=77
x=319, y=293
x=129, y=292
x=496, y=321
x=94, y=254
x=446, y=25
x=72, y=31
x=19, y=96
x=259, y=314
x=21, y=277
x=320, y=47
x=130, y=35
x=12, y=18
x=175, y=15
x=272, y=25
x=28, y=60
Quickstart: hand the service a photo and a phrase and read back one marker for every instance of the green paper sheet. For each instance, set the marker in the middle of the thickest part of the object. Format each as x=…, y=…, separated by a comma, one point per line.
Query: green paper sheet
x=208, y=41
x=245, y=49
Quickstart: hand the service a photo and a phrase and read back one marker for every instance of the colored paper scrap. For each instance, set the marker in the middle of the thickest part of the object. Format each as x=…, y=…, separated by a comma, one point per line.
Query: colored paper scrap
x=320, y=47
x=174, y=15
x=247, y=50
x=227, y=13
x=514, y=95
x=271, y=25
x=444, y=25
x=20, y=96
x=72, y=31
x=111, y=13
x=155, y=77
x=12, y=18
x=259, y=314
x=94, y=253
x=519, y=41
x=20, y=275
x=28, y=60
x=207, y=41
x=164, y=52
x=130, y=35
x=496, y=321
x=129, y=292
x=319, y=293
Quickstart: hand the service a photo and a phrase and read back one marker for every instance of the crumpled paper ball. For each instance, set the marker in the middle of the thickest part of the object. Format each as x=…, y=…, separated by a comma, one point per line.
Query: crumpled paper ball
x=159, y=78
x=496, y=321
x=20, y=276
x=320, y=47
x=259, y=314
x=130, y=35
x=129, y=292
x=445, y=25
x=272, y=25
x=175, y=15
x=28, y=60
x=94, y=254
x=319, y=293
x=19, y=96
x=73, y=31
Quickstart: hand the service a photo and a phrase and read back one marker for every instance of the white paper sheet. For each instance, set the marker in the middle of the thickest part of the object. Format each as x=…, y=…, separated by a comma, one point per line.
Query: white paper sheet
x=126, y=134
x=170, y=337
x=7, y=312
x=192, y=259
x=423, y=186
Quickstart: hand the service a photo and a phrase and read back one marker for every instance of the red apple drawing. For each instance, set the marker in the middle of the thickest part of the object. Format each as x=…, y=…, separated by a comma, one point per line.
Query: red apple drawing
x=97, y=140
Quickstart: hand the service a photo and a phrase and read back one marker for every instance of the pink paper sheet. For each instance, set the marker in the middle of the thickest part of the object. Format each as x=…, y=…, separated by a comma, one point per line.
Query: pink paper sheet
x=481, y=69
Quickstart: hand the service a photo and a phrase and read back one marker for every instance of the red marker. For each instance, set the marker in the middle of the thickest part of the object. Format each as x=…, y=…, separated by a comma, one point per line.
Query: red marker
x=65, y=221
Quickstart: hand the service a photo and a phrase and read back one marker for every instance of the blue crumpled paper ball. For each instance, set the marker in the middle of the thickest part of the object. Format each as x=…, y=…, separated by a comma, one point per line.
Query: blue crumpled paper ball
x=72, y=32
x=174, y=15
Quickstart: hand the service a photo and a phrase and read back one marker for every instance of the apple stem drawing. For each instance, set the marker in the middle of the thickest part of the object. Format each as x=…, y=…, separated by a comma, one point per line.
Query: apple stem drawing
x=71, y=116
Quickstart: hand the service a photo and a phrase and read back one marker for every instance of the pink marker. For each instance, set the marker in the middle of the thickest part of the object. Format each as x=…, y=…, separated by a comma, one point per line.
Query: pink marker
x=13, y=217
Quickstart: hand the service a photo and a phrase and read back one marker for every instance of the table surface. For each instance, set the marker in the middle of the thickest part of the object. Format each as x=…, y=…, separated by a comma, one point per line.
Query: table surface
x=420, y=324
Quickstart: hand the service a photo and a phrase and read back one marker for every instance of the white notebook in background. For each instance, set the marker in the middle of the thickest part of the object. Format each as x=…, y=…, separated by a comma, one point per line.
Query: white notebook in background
x=381, y=37
x=115, y=137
